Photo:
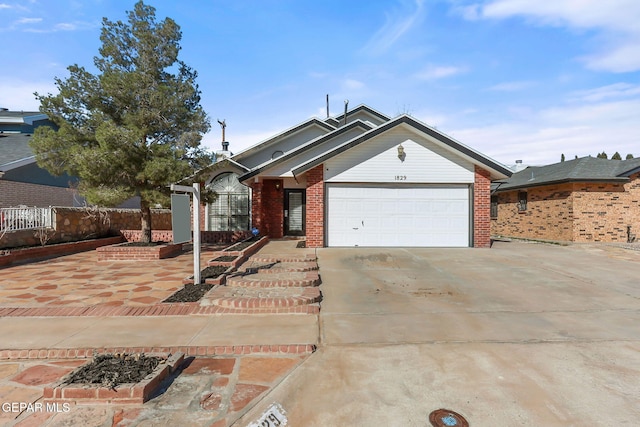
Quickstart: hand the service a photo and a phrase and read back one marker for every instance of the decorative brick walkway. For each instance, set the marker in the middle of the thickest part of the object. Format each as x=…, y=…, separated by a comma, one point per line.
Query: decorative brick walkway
x=221, y=389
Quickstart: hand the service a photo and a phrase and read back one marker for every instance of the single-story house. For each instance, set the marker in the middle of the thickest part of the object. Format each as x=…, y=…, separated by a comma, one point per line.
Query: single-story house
x=582, y=200
x=359, y=179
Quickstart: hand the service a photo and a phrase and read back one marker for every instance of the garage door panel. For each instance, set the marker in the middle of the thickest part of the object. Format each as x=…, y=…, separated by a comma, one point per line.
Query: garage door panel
x=397, y=216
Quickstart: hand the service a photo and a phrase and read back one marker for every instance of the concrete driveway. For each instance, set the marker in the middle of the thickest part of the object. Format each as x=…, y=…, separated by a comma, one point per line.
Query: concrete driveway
x=521, y=334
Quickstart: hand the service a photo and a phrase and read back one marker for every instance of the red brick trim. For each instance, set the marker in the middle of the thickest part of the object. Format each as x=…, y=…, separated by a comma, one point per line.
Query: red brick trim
x=181, y=309
x=86, y=353
x=482, y=209
x=315, y=207
x=306, y=296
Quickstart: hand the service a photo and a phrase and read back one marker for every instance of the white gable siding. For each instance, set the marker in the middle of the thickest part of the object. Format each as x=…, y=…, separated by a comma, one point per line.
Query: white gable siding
x=377, y=160
x=287, y=143
x=284, y=168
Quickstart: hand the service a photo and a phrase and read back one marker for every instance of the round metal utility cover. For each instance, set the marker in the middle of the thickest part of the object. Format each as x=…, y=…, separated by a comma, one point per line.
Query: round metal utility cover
x=447, y=418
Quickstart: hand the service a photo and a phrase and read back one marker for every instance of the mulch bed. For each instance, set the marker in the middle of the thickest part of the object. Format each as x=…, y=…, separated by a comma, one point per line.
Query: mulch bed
x=190, y=293
x=244, y=244
x=225, y=258
x=194, y=292
x=111, y=370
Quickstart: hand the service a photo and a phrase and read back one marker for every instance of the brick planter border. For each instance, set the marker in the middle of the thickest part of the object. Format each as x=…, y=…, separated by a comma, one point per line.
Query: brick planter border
x=58, y=249
x=219, y=350
x=137, y=253
x=243, y=255
x=130, y=393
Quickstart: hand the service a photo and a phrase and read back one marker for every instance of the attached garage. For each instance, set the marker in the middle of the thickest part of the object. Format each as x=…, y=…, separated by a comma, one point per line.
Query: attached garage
x=398, y=215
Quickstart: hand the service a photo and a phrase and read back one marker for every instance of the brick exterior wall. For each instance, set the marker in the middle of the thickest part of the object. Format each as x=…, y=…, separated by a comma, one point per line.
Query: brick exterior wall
x=315, y=207
x=482, y=209
x=267, y=208
x=14, y=193
x=578, y=212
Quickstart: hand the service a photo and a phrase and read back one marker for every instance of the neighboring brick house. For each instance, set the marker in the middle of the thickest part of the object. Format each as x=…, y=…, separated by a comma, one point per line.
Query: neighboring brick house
x=581, y=200
x=22, y=182
x=358, y=179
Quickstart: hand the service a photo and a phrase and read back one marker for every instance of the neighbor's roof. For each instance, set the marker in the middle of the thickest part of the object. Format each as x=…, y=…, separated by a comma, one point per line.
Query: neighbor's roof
x=584, y=169
x=14, y=147
x=20, y=117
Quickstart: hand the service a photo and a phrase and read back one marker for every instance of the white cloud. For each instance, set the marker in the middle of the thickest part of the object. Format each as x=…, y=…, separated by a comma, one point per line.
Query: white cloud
x=433, y=72
x=23, y=21
x=352, y=84
x=18, y=94
x=5, y=6
x=616, y=20
x=512, y=86
x=573, y=129
x=616, y=90
x=396, y=25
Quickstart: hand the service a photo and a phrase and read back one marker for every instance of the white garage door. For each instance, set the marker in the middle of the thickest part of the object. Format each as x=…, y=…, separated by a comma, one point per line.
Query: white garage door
x=397, y=216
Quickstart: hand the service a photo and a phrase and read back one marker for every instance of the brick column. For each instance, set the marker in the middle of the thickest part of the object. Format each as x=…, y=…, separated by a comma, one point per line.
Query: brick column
x=482, y=209
x=273, y=208
x=315, y=207
x=256, y=207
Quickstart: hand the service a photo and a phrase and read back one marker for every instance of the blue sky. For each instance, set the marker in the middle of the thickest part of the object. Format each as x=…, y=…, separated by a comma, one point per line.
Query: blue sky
x=514, y=79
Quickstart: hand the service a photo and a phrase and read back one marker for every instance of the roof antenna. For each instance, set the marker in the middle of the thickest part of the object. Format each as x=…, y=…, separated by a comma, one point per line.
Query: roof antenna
x=346, y=105
x=223, y=125
x=327, y=106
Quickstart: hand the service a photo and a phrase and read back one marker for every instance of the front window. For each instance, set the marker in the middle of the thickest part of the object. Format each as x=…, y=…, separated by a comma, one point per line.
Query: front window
x=522, y=201
x=230, y=211
x=494, y=207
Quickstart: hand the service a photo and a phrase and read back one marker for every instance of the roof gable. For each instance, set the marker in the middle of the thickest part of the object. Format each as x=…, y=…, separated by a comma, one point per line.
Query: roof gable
x=313, y=148
x=284, y=141
x=361, y=112
x=497, y=170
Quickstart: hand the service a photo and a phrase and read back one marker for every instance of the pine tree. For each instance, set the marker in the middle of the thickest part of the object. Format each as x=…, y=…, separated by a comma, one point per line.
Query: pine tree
x=562, y=157
x=602, y=155
x=616, y=156
x=629, y=156
x=136, y=126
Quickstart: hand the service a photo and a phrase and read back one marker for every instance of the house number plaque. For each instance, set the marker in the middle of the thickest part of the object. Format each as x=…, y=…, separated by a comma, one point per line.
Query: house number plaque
x=401, y=177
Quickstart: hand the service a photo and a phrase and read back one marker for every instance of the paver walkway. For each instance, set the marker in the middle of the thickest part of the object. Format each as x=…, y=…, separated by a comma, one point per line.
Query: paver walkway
x=116, y=307
x=209, y=391
x=80, y=280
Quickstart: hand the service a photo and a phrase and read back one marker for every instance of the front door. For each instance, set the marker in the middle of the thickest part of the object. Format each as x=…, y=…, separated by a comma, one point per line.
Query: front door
x=294, y=212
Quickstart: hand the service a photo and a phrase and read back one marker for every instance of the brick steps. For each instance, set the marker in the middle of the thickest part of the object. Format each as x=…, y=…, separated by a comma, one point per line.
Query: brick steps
x=283, y=258
x=279, y=267
x=261, y=298
x=274, y=280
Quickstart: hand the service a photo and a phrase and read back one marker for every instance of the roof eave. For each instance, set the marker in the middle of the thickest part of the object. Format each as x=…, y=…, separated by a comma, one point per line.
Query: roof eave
x=561, y=181
x=319, y=140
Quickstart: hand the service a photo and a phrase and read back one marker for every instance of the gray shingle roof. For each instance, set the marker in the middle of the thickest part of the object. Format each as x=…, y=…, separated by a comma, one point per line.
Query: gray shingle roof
x=14, y=146
x=584, y=169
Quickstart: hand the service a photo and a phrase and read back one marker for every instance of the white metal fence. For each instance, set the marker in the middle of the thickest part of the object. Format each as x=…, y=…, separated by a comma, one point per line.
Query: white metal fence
x=25, y=218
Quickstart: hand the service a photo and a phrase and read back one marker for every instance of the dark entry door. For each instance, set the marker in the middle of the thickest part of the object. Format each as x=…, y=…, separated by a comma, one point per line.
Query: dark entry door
x=294, y=212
